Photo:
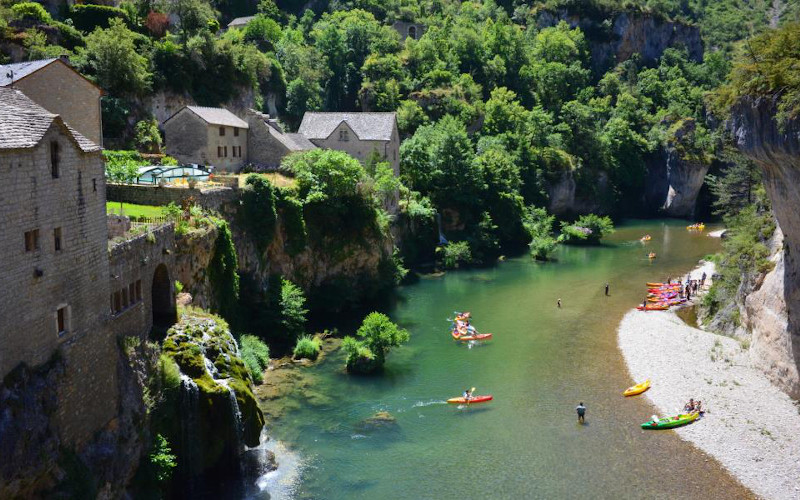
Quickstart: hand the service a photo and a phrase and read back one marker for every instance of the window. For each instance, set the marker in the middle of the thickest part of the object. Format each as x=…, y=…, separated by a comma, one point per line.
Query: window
x=94, y=185
x=139, y=290
x=125, y=302
x=236, y=131
x=57, y=239
x=343, y=136
x=54, y=159
x=32, y=240
x=225, y=151
x=62, y=320
x=219, y=151
x=132, y=292
x=117, y=302
x=233, y=151
x=222, y=131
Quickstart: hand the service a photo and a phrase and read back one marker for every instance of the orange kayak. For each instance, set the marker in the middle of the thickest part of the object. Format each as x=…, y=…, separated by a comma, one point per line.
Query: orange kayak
x=657, y=307
x=475, y=399
x=467, y=338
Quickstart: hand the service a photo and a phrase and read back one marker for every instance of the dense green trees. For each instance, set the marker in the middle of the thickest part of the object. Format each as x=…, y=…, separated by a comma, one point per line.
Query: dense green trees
x=376, y=336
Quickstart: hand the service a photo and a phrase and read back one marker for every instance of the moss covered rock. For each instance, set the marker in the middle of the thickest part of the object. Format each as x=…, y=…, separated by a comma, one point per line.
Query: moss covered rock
x=213, y=413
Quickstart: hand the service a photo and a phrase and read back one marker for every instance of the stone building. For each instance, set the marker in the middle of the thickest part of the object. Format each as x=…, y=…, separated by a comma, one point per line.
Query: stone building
x=267, y=143
x=53, y=287
x=407, y=29
x=359, y=134
x=207, y=136
x=54, y=85
x=240, y=22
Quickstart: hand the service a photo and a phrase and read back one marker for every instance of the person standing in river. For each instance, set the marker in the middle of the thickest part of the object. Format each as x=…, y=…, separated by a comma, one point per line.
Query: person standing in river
x=581, y=413
x=606, y=289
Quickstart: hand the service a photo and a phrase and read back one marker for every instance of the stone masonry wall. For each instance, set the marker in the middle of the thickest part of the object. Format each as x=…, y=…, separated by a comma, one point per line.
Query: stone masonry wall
x=35, y=284
x=210, y=198
x=361, y=150
x=134, y=261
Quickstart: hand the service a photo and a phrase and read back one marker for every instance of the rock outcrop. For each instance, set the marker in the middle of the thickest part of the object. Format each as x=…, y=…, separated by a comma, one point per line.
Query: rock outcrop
x=675, y=174
x=617, y=38
x=776, y=149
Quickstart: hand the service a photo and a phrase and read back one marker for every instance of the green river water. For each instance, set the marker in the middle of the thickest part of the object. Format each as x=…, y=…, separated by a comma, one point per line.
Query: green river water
x=541, y=363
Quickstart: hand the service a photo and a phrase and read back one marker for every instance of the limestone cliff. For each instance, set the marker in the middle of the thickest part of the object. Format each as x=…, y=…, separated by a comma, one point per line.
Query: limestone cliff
x=616, y=37
x=776, y=149
x=675, y=174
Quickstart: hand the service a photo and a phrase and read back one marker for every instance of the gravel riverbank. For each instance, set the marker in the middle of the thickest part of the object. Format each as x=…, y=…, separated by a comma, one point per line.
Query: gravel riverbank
x=751, y=427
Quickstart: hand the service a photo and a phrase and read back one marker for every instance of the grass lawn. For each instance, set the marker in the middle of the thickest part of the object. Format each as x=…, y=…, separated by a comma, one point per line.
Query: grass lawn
x=278, y=180
x=134, y=210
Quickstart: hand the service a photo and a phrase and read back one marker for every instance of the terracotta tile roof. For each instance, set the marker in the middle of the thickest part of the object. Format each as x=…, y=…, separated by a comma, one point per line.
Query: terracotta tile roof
x=367, y=126
x=23, y=123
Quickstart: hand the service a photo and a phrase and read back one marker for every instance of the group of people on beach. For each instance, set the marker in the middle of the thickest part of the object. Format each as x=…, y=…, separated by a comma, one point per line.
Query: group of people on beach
x=694, y=407
x=690, y=287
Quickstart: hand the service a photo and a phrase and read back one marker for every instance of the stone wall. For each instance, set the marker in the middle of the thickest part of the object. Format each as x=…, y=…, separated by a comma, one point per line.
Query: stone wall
x=186, y=138
x=263, y=147
x=211, y=198
x=134, y=262
x=61, y=90
x=193, y=254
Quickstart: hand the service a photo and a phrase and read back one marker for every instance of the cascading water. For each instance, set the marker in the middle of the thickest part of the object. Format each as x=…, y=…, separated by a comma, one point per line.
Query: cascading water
x=191, y=453
x=442, y=239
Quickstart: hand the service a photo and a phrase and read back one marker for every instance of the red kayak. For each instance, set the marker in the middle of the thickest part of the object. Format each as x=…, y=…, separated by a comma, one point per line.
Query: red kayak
x=475, y=399
x=467, y=338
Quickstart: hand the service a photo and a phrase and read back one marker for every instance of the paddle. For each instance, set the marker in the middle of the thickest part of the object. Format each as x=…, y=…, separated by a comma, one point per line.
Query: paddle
x=471, y=392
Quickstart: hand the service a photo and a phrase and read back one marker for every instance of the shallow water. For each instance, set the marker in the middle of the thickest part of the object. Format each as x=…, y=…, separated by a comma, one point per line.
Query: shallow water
x=541, y=363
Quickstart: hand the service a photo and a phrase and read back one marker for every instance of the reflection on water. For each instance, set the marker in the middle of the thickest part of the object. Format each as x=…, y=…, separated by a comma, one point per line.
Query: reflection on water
x=542, y=361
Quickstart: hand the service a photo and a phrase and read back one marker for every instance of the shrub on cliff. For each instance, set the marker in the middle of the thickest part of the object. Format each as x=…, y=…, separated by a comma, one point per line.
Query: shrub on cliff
x=455, y=254
x=307, y=347
x=31, y=11
x=588, y=229
x=376, y=336
x=258, y=213
x=223, y=271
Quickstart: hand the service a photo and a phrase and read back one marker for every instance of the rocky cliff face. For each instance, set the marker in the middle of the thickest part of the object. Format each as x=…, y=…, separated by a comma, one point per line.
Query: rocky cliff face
x=675, y=174
x=776, y=150
x=617, y=38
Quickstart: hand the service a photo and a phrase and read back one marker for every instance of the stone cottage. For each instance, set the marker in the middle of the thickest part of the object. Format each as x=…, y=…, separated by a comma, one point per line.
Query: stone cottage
x=240, y=22
x=359, y=134
x=54, y=85
x=267, y=143
x=207, y=136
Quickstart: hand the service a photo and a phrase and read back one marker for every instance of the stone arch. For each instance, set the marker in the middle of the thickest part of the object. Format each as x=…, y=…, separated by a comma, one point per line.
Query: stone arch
x=164, y=311
x=412, y=32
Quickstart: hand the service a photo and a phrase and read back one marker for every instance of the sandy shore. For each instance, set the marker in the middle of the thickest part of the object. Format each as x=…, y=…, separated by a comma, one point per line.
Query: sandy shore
x=751, y=428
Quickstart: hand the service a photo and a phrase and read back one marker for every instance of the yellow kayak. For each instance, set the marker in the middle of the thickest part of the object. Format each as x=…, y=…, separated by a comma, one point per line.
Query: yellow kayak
x=637, y=389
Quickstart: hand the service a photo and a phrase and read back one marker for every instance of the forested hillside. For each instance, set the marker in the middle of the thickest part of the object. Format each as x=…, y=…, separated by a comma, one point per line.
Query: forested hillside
x=564, y=104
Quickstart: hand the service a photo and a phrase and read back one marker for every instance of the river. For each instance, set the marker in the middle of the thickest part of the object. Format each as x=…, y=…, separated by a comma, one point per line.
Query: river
x=541, y=363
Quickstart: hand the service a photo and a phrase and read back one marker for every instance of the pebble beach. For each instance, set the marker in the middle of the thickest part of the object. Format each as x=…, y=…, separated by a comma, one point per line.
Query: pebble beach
x=751, y=427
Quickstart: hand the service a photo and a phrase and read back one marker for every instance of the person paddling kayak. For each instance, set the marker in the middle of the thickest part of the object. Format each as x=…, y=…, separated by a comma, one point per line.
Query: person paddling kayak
x=468, y=394
x=581, y=412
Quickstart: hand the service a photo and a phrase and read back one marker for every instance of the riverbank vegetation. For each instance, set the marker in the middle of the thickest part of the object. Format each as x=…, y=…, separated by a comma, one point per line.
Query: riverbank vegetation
x=377, y=335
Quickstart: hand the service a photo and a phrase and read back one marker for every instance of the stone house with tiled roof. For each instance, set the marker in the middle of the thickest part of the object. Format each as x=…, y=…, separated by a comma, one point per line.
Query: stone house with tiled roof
x=359, y=134
x=54, y=85
x=207, y=136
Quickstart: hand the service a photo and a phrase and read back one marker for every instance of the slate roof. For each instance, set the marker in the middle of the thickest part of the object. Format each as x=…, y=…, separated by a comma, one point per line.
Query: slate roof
x=367, y=126
x=295, y=142
x=214, y=116
x=23, y=123
x=240, y=21
x=21, y=70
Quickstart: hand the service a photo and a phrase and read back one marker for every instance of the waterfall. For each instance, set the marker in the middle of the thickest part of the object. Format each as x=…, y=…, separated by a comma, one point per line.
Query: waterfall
x=190, y=450
x=442, y=239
